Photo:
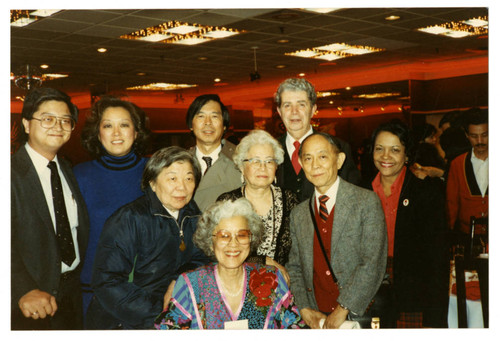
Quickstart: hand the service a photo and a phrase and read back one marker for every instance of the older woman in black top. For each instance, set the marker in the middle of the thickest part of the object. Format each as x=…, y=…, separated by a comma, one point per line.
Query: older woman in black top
x=257, y=156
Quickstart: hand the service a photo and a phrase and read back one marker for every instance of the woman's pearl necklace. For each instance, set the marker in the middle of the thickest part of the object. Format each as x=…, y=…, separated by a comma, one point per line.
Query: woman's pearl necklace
x=229, y=293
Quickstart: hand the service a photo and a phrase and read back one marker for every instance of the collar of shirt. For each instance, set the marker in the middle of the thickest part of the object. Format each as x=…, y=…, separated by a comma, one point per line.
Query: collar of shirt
x=214, y=155
x=40, y=162
x=396, y=186
x=332, y=195
x=290, y=140
x=174, y=214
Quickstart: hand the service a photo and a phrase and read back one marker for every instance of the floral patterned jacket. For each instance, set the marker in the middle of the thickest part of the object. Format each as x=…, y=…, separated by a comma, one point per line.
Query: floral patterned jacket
x=198, y=303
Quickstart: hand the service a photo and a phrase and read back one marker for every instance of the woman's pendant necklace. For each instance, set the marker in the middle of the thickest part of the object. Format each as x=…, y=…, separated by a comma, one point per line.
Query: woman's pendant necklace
x=182, y=247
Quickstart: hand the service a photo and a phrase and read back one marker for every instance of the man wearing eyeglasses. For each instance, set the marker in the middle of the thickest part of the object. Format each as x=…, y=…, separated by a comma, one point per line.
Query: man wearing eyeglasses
x=49, y=227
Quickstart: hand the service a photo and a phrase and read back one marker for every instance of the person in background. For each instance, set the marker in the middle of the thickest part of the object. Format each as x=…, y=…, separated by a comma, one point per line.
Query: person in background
x=468, y=178
x=146, y=244
x=208, y=119
x=115, y=134
x=49, y=220
x=296, y=103
x=257, y=156
x=347, y=222
x=231, y=294
x=427, y=161
x=414, y=212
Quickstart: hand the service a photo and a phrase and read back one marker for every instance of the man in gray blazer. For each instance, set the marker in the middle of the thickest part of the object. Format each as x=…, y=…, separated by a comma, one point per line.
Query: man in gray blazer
x=351, y=225
x=208, y=119
x=47, y=246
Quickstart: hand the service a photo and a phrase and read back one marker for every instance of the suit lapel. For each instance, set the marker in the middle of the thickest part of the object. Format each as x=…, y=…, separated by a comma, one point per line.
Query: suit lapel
x=340, y=217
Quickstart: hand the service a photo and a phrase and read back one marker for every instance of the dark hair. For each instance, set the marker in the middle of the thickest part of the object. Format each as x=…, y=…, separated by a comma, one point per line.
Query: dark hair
x=199, y=102
x=451, y=117
x=454, y=142
x=401, y=130
x=331, y=139
x=36, y=97
x=90, y=131
x=422, y=131
x=296, y=84
x=475, y=116
x=164, y=158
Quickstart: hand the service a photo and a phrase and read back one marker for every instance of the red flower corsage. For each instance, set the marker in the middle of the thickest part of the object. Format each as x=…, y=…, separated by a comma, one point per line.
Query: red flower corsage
x=262, y=284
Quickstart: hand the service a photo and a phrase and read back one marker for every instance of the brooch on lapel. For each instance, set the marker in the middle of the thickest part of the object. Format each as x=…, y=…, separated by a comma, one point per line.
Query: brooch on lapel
x=406, y=202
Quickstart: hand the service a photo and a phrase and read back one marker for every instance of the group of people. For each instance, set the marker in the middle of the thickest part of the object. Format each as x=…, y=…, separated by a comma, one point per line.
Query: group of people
x=271, y=233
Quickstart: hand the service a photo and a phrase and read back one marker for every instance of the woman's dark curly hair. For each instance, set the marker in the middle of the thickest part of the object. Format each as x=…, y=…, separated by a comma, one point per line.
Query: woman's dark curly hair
x=90, y=131
x=401, y=130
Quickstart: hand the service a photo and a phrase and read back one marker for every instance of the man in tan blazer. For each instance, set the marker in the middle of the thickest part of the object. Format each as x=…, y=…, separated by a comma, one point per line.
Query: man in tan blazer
x=352, y=228
x=208, y=119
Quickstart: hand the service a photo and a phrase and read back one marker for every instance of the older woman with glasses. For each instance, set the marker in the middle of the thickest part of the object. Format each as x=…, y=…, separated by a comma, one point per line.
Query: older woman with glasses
x=230, y=294
x=257, y=156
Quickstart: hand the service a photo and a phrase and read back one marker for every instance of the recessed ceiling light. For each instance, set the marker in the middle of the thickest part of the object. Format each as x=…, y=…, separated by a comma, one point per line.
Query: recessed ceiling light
x=202, y=58
x=44, y=66
x=348, y=88
x=190, y=41
x=102, y=50
x=141, y=73
x=281, y=66
x=162, y=86
x=392, y=17
x=217, y=34
x=22, y=22
x=155, y=37
x=44, y=12
x=183, y=29
x=217, y=80
x=282, y=41
x=302, y=74
x=321, y=10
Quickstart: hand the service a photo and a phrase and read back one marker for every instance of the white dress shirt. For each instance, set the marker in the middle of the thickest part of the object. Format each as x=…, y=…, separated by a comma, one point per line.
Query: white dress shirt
x=289, y=140
x=480, y=172
x=44, y=172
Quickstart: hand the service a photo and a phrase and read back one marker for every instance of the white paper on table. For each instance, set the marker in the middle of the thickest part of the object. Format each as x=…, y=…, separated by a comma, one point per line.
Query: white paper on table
x=345, y=325
x=236, y=325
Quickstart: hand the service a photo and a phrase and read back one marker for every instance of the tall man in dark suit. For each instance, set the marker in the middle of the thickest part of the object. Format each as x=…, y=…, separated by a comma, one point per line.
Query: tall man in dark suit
x=350, y=224
x=49, y=227
x=296, y=103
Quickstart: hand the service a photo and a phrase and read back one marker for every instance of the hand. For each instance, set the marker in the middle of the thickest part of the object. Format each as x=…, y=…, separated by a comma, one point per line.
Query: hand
x=270, y=261
x=168, y=295
x=336, y=318
x=37, y=304
x=312, y=317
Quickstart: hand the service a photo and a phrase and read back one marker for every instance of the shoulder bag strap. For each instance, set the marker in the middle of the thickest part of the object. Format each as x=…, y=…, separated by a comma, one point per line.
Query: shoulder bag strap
x=313, y=218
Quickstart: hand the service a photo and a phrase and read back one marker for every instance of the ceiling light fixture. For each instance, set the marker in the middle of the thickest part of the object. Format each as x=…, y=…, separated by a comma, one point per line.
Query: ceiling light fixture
x=20, y=18
x=162, y=86
x=392, y=17
x=280, y=66
x=334, y=51
x=465, y=28
x=102, y=50
x=44, y=66
x=176, y=32
x=321, y=10
x=217, y=80
x=302, y=74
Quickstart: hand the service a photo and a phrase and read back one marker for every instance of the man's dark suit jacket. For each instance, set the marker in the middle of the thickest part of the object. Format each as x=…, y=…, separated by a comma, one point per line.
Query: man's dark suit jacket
x=287, y=178
x=35, y=258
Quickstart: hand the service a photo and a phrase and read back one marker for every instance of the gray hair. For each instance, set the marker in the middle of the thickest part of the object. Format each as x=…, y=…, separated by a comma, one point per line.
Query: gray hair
x=164, y=158
x=296, y=84
x=256, y=137
x=241, y=207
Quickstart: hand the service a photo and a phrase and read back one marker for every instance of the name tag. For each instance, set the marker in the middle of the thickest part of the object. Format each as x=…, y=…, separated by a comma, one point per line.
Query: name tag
x=236, y=325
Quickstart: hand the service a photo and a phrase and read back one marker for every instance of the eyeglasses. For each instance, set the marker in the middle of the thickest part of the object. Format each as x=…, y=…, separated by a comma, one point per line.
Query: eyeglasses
x=243, y=237
x=256, y=163
x=49, y=121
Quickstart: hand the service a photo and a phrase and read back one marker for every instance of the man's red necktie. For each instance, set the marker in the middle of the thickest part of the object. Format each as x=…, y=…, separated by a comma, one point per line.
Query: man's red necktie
x=295, y=157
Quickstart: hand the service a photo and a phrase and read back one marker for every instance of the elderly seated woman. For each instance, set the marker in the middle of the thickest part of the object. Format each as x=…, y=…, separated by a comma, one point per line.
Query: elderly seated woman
x=257, y=156
x=230, y=294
